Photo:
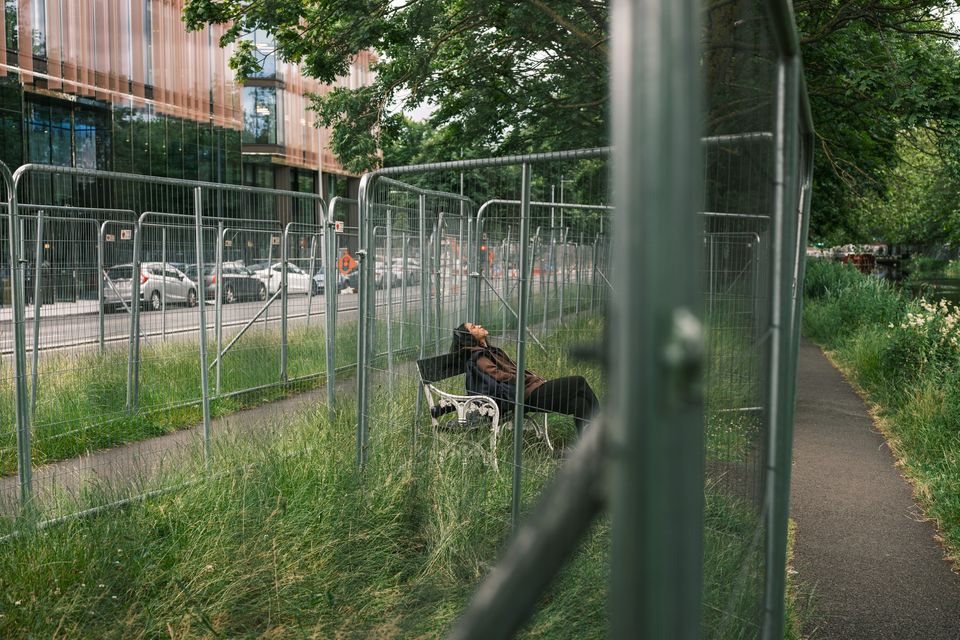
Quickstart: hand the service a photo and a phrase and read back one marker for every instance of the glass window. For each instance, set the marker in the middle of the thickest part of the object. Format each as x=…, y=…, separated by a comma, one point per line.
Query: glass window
x=148, y=42
x=123, y=272
x=38, y=133
x=306, y=181
x=11, y=23
x=231, y=156
x=39, y=21
x=174, y=147
x=85, y=135
x=206, y=156
x=190, y=150
x=11, y=123
x=265, y=47
x=140, y=123
x=258, y=175
x=49, y=134
x=122, y=138
x=158, y=144
x=260, y=116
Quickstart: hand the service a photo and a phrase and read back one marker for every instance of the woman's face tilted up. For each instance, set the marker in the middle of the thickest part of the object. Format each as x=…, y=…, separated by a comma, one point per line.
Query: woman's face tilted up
x=477, y=331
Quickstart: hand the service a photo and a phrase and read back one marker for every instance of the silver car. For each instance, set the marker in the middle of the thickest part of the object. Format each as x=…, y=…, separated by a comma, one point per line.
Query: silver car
x=159, y=284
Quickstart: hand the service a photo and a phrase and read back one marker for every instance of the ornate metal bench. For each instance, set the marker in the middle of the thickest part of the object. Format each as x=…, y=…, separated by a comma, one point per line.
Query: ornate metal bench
x=440, y=403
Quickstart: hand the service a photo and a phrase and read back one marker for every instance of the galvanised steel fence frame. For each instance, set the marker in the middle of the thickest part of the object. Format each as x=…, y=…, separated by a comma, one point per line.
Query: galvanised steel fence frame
x=193, y=211
x=645, y=460
x=471, y=217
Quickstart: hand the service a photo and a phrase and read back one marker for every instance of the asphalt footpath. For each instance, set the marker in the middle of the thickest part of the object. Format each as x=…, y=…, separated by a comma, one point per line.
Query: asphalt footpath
x=871, y=565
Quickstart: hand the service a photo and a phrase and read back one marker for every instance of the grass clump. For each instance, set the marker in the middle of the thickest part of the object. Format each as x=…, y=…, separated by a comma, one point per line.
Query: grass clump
x=904, y=354
x=81, y=399
x=296, y=543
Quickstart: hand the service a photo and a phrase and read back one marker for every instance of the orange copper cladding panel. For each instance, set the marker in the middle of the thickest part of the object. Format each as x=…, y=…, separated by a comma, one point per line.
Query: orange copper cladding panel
x=97, y=48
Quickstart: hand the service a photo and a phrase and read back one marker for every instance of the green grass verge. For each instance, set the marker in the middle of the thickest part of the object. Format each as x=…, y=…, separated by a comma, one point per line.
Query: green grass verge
x=295, y=543
x=82, y=397
x=904, y=355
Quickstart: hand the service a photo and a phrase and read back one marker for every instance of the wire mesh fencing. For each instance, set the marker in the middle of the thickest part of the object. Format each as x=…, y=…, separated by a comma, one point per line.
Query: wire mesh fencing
x=517, y=250
x=119, y=273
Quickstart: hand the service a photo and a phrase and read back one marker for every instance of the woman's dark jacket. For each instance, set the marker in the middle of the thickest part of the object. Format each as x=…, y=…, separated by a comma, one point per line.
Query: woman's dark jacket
x=491, y=372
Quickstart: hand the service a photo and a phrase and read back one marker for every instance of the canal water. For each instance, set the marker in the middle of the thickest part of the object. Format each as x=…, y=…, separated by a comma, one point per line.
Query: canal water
x=936, y=288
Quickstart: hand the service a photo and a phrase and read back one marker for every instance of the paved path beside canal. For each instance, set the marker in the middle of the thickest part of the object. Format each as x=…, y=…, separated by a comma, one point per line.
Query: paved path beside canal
x=862, y=546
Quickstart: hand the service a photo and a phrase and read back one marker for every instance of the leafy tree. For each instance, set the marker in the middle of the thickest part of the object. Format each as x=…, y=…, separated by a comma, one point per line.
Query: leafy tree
x=518, y=76
x=502, y=76
x=878, y=72
x=921, y=204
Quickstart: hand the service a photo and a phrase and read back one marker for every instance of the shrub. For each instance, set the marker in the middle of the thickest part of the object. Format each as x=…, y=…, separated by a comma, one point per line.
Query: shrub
x=844, y=301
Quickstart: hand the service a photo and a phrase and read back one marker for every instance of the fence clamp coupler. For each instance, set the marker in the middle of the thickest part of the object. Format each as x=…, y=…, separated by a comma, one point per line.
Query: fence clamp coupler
x=683, y=357
x=361, y=254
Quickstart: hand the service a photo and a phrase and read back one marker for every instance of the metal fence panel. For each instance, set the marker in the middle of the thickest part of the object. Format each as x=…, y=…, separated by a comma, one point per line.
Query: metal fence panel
x=486, y=242
x=120, y=274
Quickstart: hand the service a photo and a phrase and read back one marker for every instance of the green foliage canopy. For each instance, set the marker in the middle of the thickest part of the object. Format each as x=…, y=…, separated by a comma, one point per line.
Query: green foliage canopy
x=507, y=77
x=501, y=76
x=878, y=72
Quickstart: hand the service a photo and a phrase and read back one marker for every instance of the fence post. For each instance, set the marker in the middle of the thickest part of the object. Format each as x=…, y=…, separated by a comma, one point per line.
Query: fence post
x=38, y=292
x=331, y=295
x=544, y=282
x=202, y=297
x=782, y=354
x=266, y=312
x=461, y=267
x=204, y=383
x=17, y=302
x=524, y=284
x=163, y=287
x=656, y=439
x=367, y=286
x=133, y=357
x=424, y=294
x=284, y=302
x=439, y=277
x=579, y=271
x=388, y=283
x=404, y=256
x=101, y=329
x=563, y=270
x=505, y=285
x=312, y=270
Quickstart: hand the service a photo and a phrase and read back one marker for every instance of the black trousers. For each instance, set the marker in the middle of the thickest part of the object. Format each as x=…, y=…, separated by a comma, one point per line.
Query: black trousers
x=571, y=395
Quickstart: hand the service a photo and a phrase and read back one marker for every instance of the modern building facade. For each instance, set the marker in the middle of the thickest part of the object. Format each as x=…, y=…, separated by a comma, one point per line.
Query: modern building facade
x=120, y=85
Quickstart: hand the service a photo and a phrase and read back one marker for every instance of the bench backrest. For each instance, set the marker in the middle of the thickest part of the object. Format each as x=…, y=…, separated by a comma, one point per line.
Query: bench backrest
x=437, y=368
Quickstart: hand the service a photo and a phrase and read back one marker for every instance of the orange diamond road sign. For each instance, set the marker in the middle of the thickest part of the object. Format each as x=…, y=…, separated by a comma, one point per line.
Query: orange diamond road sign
x=346, y=264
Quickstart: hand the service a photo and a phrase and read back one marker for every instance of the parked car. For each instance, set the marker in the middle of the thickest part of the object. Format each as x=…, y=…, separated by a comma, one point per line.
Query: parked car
x=409, y=272
x=382, y=272
x=319, y=281
x=160, y=284
x=239, y=282
x=298, y=280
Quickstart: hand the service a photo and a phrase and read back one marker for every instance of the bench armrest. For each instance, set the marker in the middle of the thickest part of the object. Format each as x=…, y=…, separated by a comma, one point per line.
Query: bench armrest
x=441, y=402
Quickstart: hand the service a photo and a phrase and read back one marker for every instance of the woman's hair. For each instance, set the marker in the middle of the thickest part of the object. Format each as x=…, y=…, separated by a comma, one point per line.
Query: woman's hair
x=463, y=341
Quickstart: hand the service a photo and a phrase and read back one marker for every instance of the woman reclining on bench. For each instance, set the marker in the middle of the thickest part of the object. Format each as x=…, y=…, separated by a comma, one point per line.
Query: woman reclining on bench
x=491, y=372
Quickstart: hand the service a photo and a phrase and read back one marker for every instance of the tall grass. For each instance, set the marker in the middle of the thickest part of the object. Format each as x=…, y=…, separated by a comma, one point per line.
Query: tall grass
x=81, y=399
x=904, y=355
x=296, y=543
